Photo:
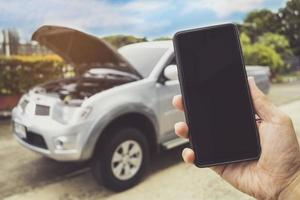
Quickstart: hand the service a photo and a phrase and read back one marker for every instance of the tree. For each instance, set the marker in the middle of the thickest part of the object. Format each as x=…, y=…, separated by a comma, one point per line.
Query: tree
x=290, y=23
x=259, y=22
x=162, y=39
x=259, y=54
x=120, y=40
x=245, y=40
x=262, y=54
x=277, y=42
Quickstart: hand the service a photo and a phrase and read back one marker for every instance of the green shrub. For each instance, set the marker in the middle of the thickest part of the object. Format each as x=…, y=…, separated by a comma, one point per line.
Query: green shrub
x=280, y=44
x=20, y=73
x=266, y=51
x=259, y=54
x=245, y=40
x=118, y=41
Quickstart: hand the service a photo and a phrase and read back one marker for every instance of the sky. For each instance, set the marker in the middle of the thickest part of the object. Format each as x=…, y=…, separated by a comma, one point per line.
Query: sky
x=147, y=18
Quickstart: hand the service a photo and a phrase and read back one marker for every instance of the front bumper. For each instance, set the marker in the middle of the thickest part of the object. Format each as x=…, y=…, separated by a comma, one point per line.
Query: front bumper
x=42, y=131
x=59, y=155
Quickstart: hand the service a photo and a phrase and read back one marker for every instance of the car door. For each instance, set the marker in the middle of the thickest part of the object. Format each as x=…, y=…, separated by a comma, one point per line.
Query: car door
x=168, y=114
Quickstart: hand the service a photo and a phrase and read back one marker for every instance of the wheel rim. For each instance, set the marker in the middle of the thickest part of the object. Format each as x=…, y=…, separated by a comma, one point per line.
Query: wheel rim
x=126, y=160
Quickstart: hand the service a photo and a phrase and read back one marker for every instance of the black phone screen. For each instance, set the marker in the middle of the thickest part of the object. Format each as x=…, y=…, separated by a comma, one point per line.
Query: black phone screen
x=216, y=96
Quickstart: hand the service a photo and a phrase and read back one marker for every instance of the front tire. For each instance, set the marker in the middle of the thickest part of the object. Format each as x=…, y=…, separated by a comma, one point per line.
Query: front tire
x=120, y=161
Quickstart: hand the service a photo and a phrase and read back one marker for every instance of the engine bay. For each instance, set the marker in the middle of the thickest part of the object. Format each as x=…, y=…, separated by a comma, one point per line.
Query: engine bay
x=75, y=90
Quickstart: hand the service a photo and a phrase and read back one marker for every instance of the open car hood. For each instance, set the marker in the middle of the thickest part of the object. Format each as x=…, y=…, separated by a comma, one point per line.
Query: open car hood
x=81, y=49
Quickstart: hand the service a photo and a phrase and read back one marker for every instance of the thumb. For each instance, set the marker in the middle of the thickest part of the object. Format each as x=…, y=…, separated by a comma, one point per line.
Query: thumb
x=263, y=107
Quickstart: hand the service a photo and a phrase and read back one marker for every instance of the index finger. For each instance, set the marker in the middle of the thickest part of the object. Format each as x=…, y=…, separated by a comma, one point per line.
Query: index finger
x=177, y=102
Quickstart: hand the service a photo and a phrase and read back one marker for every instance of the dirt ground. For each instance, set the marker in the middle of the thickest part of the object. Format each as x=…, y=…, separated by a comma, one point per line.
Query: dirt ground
x=26, y=175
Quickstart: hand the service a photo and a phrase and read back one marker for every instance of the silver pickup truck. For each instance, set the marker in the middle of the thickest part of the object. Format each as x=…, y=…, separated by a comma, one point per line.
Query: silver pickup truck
x=116, y=113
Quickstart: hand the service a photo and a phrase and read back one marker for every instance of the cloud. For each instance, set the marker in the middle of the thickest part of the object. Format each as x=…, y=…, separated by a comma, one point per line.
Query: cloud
x=92, y=14
x=222, y=8
x=139, y=17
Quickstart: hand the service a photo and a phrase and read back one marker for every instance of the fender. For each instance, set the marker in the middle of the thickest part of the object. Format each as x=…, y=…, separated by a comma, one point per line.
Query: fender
x=103, y=121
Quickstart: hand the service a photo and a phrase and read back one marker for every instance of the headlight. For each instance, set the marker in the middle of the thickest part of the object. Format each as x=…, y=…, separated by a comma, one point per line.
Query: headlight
x=70, y=114
x=22, y=104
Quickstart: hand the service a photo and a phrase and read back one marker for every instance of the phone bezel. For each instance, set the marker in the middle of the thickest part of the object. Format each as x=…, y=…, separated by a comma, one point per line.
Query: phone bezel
x=197, y=162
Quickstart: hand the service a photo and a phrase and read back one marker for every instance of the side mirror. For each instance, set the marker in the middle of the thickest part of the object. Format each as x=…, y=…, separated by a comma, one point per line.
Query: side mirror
x=170, y=72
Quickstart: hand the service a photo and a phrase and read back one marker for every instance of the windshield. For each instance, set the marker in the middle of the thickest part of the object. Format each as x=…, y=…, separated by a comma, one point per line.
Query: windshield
x=142, y=58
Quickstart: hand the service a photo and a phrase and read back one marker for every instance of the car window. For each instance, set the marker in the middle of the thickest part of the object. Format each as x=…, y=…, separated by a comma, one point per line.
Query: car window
x=173, y=61
x=143, y=59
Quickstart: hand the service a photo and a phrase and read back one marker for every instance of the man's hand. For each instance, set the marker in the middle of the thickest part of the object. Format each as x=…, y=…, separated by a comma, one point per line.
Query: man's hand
x=279, y=163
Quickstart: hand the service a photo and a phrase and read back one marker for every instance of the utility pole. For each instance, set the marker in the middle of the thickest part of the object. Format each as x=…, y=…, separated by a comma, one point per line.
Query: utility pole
x=6, y=44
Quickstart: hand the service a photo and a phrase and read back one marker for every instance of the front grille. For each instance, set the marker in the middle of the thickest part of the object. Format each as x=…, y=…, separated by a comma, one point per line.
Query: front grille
x=42, y=110
x=35, y=140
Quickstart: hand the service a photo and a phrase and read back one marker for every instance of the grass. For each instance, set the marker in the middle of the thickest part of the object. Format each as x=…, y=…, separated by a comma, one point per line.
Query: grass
x=288, y=77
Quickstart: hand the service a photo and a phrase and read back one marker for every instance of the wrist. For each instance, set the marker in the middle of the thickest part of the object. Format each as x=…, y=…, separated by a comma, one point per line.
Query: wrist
x=292, y=191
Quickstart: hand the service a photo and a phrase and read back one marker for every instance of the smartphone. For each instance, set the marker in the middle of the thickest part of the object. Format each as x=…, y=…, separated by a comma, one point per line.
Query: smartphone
x=216, y=97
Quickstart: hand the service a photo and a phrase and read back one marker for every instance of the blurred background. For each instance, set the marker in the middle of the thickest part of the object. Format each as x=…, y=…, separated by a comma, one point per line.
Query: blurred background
x=270, y=36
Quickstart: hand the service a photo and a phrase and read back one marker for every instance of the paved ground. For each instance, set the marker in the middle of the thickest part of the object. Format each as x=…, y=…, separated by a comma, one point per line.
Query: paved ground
x=26, y=175
x=285, y=93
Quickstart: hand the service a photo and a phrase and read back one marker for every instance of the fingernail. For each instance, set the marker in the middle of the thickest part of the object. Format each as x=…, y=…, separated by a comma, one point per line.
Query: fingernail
x=173, y=100
x=184, y=152
x=176, y=97
x=176, y=125
x=250, y=78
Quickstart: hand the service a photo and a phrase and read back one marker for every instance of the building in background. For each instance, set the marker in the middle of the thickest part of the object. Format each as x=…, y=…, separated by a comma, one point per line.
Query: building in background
x=10, y=42
x=32, y=48
x=11, y=45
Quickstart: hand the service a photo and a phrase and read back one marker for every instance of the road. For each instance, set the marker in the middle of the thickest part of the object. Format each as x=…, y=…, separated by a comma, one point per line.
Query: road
x=26, y=175
x=284, y=93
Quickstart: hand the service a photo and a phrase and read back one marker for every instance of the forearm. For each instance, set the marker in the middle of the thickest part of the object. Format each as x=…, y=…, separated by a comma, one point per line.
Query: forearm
x=292, y=191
